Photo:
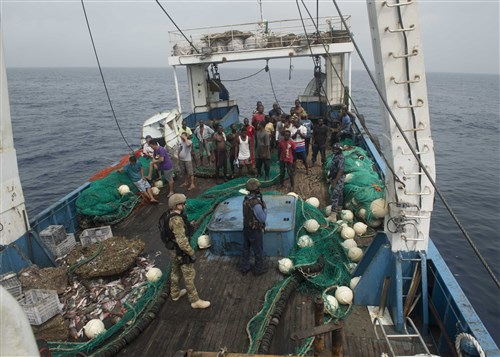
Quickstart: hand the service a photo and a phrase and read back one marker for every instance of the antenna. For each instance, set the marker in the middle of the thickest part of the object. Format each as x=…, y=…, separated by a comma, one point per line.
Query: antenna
x=261, y=14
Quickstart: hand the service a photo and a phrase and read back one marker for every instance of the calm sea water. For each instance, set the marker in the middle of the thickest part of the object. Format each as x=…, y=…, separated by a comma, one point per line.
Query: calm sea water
x=64, y=132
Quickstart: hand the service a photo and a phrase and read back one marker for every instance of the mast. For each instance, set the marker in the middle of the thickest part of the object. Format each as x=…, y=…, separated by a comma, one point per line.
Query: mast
x=13, y=218
x=400, y=71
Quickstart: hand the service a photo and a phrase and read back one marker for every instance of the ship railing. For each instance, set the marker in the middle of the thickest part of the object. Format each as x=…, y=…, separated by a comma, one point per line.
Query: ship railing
x=259, y=35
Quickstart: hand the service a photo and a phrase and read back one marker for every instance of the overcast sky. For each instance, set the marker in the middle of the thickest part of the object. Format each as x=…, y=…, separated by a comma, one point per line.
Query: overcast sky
x=458, y=36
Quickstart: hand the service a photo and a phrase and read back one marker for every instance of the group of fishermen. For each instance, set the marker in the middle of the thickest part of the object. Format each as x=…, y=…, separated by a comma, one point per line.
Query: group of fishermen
x=290, y=136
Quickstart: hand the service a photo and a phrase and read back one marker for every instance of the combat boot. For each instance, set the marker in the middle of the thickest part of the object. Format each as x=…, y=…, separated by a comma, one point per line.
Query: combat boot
x=200, y=304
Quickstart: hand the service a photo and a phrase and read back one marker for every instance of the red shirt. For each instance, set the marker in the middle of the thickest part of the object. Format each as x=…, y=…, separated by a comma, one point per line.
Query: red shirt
x=286, y=150
x=250, y=132
x=258, y=118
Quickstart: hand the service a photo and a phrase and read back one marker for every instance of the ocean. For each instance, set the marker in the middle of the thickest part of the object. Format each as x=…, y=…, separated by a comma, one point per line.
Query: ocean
x=64, y=132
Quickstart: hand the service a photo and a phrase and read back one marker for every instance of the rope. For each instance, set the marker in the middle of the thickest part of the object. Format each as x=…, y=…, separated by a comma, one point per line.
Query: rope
x=268, y=70
x=239, y=79
x=102, y=77
x=177, y=27
x=463, y=335
x=420, y=163
x=74, y=267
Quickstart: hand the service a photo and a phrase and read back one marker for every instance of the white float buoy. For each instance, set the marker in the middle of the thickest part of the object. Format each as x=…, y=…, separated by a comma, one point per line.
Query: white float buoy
x=154, y=274
x=123, y=189
x=346, y=215
x=204, y=241
x=349, y=243
x=93, y=328
x=344, y=295
x=347, y=233
x=360, y=228
x=313, y=201
x=155, y=191
x=355, y=254
x=159, y=184
x=379, y=208
x=311, y=225
x=331, y=304
x=305, y=241
x=285, y=265
x=354, y=282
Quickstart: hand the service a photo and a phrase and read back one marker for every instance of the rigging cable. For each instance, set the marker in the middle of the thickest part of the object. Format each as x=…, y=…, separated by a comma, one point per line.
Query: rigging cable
x=420, y=163
x=268, y=70
x=240, y=79
x=372, y=138
x=177, y=27
x=102, y=77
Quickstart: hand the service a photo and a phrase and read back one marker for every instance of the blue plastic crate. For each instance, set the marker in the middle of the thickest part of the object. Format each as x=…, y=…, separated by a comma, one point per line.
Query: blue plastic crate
x=226, y=226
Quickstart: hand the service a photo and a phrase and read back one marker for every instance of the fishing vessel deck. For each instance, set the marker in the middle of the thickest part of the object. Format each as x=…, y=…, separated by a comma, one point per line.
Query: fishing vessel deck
x=235, y=300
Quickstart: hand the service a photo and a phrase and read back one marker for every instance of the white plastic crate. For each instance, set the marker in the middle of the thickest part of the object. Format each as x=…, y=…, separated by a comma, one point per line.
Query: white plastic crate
x=40, y=305
x=63, y=248
x=53, y=235
x=94, y=235
x=11, y=283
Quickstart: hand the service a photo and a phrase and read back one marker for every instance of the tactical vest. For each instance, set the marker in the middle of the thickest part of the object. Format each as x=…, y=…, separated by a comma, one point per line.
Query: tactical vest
x=170, y=236
x=249, y=219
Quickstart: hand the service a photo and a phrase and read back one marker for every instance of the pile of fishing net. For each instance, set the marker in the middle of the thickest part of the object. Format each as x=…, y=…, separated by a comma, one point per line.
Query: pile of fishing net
x=103, y=203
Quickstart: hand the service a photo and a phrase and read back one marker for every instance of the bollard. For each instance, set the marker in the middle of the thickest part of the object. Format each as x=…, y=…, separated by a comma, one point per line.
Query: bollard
x=319, y=341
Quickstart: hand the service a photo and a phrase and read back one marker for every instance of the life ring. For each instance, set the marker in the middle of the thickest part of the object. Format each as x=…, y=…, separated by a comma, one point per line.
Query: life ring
x=463, y=335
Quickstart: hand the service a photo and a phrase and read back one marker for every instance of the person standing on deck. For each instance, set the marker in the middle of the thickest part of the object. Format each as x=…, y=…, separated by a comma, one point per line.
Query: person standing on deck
x=319, y=140
x=286, y=147
x=344, y=129
x=276, y=111
x=204, y=134
x=269, y=128
x=258, y=116
x=251, y=134
x=165, y=165
x=233, y=138
x=263, y=154
x=254, y=221
x=178, y=230
x=298, y=134
x=336, y=177
x=186, y=129
x=136, y=174
x=220, y=153
x=298, y=110
x=185, y=161
x=244, y=152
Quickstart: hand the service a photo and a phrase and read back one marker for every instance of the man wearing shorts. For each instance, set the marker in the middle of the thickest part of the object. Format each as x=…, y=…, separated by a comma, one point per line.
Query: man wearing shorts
x=165, y=165
x=220, y=153
x=298, y=134
x=185, y=161
x=136, y=174
x=204, y=135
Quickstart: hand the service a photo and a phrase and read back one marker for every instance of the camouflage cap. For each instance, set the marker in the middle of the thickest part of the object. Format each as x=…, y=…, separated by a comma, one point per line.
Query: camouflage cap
x=176, y=199
x=252, y=184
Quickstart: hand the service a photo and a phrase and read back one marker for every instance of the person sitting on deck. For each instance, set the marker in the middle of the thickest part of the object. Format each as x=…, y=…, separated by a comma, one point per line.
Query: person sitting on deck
x=344, y=129
x=136, y=174
x=165, y=165
x=204, y=135
x=147, y=150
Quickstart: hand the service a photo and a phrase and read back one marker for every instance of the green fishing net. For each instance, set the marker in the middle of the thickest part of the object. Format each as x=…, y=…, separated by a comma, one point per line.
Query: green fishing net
x=102, y=202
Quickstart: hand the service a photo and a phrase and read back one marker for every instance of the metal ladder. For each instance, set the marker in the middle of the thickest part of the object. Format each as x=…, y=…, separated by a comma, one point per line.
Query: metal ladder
x=406, y=335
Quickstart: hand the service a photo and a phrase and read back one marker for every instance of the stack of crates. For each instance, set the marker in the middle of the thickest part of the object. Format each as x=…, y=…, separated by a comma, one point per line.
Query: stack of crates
x=57, y=240
x=11, y=283
x=94, y=235
x=40, y=305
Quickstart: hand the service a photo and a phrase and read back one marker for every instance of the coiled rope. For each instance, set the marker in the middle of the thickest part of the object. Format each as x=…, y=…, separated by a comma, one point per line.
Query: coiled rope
x=468, y=336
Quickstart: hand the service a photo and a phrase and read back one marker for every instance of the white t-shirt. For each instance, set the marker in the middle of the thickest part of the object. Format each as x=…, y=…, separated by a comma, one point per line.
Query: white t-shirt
x=148, y=150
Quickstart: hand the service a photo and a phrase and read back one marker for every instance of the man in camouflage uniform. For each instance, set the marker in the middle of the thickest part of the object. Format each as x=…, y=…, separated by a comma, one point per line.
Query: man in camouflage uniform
x=254, y=219
x=336, y=176
x=183, y=255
